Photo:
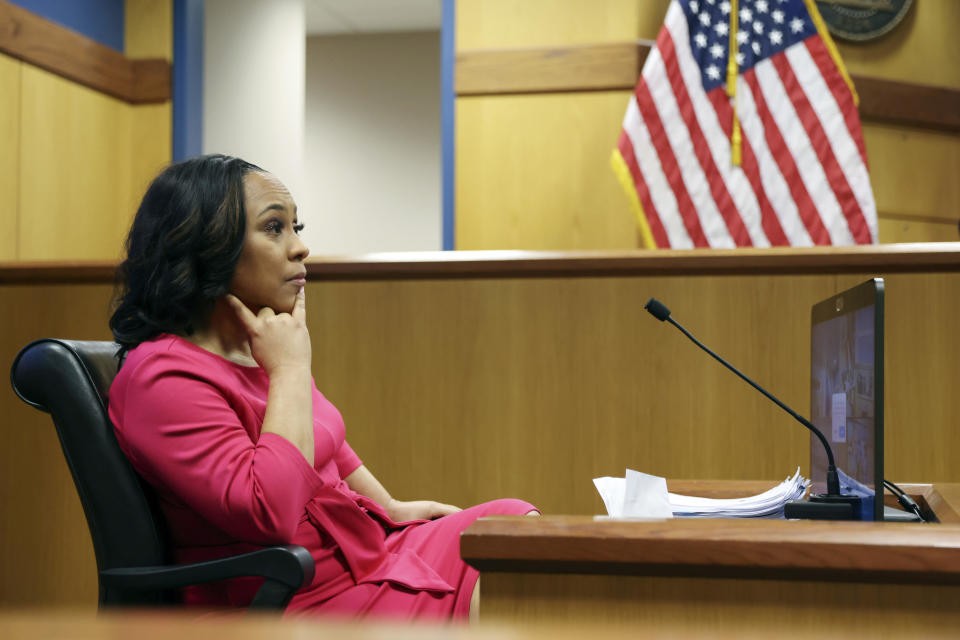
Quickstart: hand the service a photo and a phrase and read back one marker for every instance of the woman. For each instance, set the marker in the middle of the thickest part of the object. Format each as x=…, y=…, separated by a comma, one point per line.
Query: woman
x=216, y=408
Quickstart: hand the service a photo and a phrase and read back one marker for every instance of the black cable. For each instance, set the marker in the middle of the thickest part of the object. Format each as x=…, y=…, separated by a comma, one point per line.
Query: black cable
x=905, y=501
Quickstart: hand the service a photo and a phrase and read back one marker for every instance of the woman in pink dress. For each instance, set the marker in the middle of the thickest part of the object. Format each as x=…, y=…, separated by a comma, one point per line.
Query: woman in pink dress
x=215, y=406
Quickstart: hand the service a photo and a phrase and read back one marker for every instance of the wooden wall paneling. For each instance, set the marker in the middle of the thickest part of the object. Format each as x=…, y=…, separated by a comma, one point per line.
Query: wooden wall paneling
x=148, y=29
x=532, y=387
x=908, y=103
x=45, y=548
x=914, y=176
x=685, y=607
x=521, y=162
x=148, y=34
x=483, y=24
x=922, y=370
x=9, y=154
x=80, y=59
x=150, y=150
x=469, y=389
x=923, y=48
x=586, y=68
x=907, y=79
x=899, y=228
x=614, y=66
x=74, y=163
x=533, y=173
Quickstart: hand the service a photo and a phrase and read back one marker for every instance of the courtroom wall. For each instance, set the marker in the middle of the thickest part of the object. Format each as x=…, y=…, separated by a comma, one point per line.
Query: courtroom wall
x=914, y=171
x=465, y=390
x=372, y=144
x=253, y=84
x=75, y=161
x=532, y=170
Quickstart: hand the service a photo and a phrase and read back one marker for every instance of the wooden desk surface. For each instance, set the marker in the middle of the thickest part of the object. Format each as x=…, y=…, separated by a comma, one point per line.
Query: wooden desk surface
x=736, y=548
x=727, y=576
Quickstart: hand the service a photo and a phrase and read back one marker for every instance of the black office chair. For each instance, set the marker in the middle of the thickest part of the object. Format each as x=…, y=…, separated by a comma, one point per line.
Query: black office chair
x=71, y=381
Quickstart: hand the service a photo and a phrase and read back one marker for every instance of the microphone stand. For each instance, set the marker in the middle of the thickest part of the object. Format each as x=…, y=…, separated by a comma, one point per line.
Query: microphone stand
x=832, y=505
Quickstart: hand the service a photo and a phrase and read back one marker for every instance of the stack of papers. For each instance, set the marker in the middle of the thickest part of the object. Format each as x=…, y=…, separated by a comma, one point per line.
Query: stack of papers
x=639, y=495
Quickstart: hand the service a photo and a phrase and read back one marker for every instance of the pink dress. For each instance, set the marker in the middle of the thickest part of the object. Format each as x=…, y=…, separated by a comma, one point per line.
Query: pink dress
x=189, y=421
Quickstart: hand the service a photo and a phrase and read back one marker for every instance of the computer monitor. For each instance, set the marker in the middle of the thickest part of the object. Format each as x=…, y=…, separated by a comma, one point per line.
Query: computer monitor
x=846, y=391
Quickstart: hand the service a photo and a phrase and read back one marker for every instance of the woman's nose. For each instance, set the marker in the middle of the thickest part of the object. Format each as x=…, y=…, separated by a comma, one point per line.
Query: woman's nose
x=299, y=249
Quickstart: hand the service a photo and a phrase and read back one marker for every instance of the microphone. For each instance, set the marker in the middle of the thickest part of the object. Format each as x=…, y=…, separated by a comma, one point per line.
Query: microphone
x=829, y=506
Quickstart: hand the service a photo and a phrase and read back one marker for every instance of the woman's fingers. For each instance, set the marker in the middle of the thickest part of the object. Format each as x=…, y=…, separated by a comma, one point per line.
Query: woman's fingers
x=300, y=306
x=243, y=313
x=441, y=509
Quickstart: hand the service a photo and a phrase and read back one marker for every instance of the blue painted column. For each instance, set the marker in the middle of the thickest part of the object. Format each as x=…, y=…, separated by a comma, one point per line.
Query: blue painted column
x=187, y=78
x=447, y=114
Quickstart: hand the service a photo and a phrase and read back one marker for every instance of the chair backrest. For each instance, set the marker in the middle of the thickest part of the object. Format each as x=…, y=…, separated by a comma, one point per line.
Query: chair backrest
x=71, y=381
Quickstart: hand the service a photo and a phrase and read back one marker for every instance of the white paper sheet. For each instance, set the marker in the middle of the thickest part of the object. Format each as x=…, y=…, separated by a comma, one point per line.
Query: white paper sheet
x=643, y=495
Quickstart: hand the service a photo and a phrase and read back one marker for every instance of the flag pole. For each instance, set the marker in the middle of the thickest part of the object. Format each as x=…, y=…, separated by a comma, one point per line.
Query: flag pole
x=732, y=72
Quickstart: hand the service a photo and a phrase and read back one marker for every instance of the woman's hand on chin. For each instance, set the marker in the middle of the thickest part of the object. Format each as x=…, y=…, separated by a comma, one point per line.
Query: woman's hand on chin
x=278, y=341
x=403, y=511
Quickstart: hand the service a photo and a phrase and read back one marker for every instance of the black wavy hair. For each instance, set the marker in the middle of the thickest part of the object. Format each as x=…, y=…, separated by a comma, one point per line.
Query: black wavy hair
x=182, y=249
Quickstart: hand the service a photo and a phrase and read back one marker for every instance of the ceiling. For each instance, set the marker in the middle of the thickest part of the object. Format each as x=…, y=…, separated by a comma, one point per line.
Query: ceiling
x=329, y=17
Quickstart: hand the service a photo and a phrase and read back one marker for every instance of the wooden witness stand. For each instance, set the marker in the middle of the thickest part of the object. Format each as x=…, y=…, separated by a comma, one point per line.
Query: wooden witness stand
x=728, y=575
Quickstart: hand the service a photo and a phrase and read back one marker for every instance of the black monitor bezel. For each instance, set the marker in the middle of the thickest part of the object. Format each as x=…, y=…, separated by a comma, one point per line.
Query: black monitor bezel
x=863, y=295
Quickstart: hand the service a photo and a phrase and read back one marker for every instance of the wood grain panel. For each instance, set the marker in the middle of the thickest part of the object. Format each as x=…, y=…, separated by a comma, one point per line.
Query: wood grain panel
x=903, y=228
x=470, y=389
x=483, y=24
x=148, y=29
x=923, y=48
x=914, y=173
x=75, y=163
x=548, y=383
x=733, y=548
x=533, y=173
x=45, y=546
x=616, y=66
x=688, y=606
x=908, y=103
x=599, y=67
x=447, y=265
x=9, y=154
x=59, y=50
x=148, y=34
x=150, y=150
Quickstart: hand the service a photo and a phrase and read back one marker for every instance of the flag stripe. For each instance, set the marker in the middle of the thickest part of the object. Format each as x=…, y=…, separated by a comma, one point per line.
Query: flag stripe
x=820, y=143
x=800, y=148
x=840, y=90
x=774, y=184
x=788, y=168
x=691, y=172
x=625, y=146
x=844, y=147
x=768, y=217
x=658, y=136
x=660, y=192
x=701, y=148
x=716, y=131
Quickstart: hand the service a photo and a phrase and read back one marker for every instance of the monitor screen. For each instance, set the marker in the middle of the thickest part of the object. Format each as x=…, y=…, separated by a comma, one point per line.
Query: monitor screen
x=846, y=392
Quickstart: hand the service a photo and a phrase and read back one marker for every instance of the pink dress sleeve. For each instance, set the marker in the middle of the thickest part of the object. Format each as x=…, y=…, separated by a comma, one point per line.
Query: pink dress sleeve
x=347, y=461
x=181, y=432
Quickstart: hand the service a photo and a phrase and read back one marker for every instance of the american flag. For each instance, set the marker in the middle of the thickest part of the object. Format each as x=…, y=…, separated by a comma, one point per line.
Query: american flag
x=802, y=178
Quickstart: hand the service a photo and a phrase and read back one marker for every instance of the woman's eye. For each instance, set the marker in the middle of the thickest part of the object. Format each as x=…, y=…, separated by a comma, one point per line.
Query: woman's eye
x=274, y=226
x=297, y=228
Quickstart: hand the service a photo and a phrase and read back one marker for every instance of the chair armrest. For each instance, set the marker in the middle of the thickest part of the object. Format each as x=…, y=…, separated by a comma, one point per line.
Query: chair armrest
x=286, y=569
